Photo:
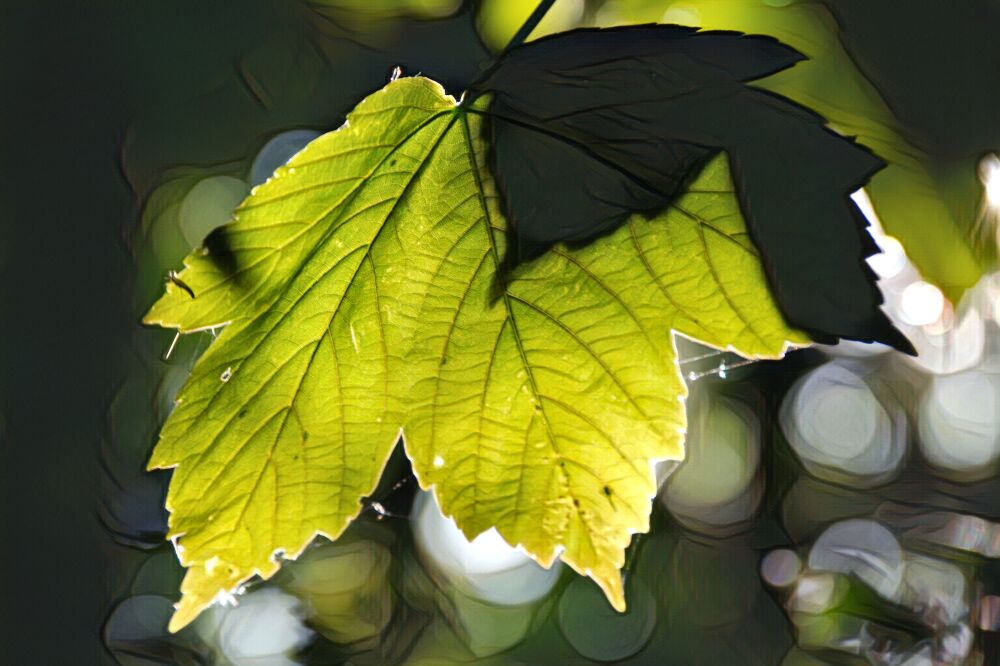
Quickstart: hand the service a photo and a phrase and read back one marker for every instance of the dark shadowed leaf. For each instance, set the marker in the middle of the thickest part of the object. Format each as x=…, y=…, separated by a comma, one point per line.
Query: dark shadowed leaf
x=914, y=85
x=592, y=125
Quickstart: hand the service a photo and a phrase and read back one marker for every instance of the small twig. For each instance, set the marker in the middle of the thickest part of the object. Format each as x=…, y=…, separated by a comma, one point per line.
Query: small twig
x=701, y=357
x=528, y=27
x=522, y=34
x=720, y=371
x=170, y=350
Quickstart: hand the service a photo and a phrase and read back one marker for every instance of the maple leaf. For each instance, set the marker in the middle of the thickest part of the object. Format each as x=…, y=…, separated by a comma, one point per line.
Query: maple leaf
x=359, y=302
x=617, y=119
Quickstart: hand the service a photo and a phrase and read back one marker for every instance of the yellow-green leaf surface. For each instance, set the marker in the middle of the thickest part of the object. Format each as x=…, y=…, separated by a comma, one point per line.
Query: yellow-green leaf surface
x=364, y=304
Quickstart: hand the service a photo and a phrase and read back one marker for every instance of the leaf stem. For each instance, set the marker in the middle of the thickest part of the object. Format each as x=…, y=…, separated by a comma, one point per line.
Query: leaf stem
x=528, y=27
x=522, y=34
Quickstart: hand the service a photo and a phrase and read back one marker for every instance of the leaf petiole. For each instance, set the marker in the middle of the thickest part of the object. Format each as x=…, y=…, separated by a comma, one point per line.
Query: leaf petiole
x=522, y=34
x=528, y=27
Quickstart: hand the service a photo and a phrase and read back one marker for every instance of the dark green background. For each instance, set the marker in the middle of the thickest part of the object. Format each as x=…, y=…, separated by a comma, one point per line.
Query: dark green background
x=96, y=98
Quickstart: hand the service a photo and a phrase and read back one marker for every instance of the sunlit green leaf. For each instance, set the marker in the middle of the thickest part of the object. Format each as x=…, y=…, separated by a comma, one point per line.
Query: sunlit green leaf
x=366, y=302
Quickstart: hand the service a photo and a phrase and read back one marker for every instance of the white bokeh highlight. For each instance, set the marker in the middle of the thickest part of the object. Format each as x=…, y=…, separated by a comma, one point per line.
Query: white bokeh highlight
x=839, y=428
x=277, y=151
x=264, y=627
x=486, y=568
x=921, y=303
x=959, y=422
x=989, y=174
x=717, y=484
x=209, y=205
x=865, y=549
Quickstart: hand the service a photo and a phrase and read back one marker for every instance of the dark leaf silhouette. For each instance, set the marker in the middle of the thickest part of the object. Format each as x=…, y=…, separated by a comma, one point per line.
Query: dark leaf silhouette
x=592, y=125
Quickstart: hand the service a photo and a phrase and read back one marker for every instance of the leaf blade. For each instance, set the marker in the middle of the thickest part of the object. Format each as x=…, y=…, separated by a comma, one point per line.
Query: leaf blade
x=391, y=323
x=267, y=374
x=277, y=227
x=583, y=409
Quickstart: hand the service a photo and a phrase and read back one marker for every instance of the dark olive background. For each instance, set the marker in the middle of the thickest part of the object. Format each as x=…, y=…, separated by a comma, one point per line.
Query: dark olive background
x=99, y=97
x=96, y=98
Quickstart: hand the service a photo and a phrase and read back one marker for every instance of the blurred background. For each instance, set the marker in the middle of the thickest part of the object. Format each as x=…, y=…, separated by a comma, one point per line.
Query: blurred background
x=839, y=507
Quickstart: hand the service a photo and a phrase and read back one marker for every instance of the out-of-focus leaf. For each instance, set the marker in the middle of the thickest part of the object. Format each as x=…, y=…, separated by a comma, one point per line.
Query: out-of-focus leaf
x=362, y=304
x=499, y=20
x=934, y=64
x=915, y=84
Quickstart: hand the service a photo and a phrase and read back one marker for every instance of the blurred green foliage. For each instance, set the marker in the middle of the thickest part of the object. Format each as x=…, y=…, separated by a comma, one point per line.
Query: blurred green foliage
x=932, y=204
x=711, y=607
